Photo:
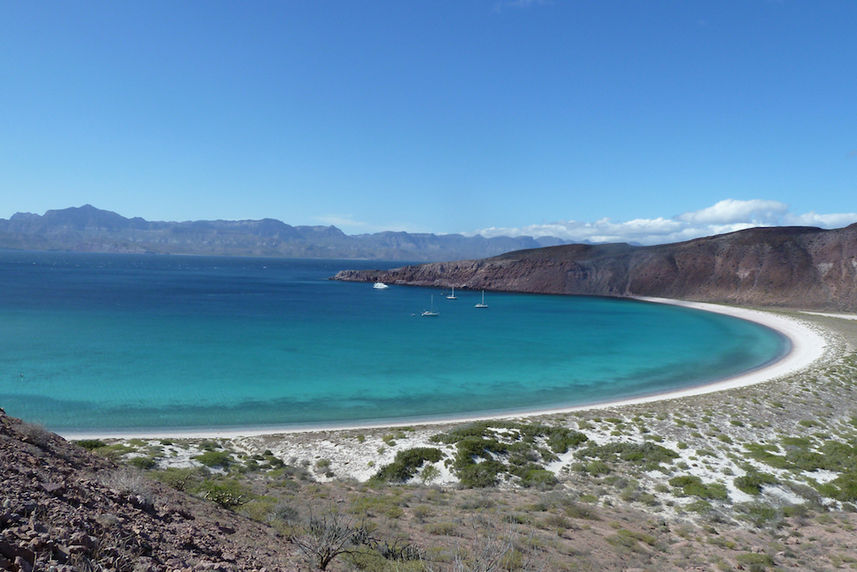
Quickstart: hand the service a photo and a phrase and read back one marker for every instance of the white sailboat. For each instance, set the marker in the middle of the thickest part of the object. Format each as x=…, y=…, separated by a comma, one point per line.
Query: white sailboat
x=481, y=304
x=430, y=313
x=452, y=296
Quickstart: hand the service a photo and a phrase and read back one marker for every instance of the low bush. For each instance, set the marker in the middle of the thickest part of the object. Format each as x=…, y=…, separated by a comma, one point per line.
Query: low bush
x=215, y=459
x=648, y=455
x=90, y=444
x=179, y=479
x=226, y=493
x=407, y=463
x=751, y=483
x=143, y=462
x=693, y=486
x=759, y=514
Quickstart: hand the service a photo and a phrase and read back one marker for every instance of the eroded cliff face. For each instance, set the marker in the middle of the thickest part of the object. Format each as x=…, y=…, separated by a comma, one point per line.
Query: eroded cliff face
x=801, y=267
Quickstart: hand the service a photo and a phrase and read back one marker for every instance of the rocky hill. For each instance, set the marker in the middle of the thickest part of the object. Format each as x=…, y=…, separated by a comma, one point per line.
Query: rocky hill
x=88, y=229
x=780, y=266
x=65, y=508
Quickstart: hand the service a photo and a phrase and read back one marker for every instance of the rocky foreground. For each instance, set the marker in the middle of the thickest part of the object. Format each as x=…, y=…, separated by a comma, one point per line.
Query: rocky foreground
x=62, y=508
x=799, y=267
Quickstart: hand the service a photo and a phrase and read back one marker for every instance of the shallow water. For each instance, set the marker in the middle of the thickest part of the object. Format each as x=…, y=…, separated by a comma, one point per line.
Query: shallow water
x=120, y=342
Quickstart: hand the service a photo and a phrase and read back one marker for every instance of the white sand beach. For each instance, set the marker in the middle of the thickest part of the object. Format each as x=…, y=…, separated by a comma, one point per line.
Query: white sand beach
x=833, y=315
x=808, y=345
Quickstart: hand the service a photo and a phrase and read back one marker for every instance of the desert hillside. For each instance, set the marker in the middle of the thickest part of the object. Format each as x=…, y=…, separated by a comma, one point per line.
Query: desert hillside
x=799, y=267
x=63, y=506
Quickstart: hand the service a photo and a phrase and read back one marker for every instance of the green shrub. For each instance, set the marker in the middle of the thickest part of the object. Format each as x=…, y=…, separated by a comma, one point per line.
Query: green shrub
x=480, y=475
x=561, y=439
x=90, y=444
x=487, y=450
x=648, y=455
x=226, y=493
x=766, y=454
x=844, y=487
x=752, y=482
x=537, y=476
x=596, y=467
x=699, y=506
x=406, y=464
x=214, y=459
x=429, y=473
x=759, y=514
x=693, y=486
x=115, y=451
x=322, y=465
x=421, y=512
x=179, y=479
x=444, y=529
x=142, y=462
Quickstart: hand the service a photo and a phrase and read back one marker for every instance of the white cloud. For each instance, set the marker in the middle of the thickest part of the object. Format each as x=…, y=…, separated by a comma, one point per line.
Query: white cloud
x=834, y=220
x=728, y=215
x=732, y=211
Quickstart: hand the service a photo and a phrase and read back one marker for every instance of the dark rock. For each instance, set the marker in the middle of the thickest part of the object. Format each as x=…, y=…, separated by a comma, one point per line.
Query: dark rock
x=88, y=522
x=53, y=488
x=23, y=565
x=14, y=552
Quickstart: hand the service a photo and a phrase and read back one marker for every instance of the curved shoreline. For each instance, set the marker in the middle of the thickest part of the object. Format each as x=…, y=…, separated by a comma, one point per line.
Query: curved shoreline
x=807, y=347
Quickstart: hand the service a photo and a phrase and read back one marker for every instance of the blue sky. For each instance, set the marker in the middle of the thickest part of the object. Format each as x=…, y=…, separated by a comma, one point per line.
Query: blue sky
x=598, y=120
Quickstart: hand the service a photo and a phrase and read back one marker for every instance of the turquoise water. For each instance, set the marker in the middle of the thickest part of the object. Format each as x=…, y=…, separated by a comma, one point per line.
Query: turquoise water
x=119, y=342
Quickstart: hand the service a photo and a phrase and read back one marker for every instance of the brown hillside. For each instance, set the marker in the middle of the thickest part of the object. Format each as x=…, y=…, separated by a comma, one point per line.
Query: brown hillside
x=62, y=506
x=779, y=266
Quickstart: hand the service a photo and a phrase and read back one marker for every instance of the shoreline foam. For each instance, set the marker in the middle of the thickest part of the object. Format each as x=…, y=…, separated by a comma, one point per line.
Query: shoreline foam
x=807, y=347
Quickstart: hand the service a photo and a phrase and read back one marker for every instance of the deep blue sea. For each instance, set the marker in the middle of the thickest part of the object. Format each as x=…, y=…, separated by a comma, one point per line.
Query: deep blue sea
x=92, y=342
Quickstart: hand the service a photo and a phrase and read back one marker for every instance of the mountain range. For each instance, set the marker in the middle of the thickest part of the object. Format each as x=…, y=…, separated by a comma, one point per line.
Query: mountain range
x=88, y=229
x=799, y=267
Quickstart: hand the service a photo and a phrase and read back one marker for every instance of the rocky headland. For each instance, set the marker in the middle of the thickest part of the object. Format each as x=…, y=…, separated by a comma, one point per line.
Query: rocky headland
x=799, y=267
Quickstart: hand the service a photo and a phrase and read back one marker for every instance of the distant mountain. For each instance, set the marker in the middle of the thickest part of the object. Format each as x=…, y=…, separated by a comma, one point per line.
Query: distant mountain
x=88, y=229
x=800, y=267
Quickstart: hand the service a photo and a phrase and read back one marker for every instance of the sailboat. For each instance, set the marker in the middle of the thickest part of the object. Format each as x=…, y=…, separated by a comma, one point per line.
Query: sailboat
x=452, y=296
x=430, y=313
x=481, y=304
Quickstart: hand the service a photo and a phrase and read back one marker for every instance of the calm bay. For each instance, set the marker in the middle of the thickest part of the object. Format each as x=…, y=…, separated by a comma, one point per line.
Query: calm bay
x=97, y=342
